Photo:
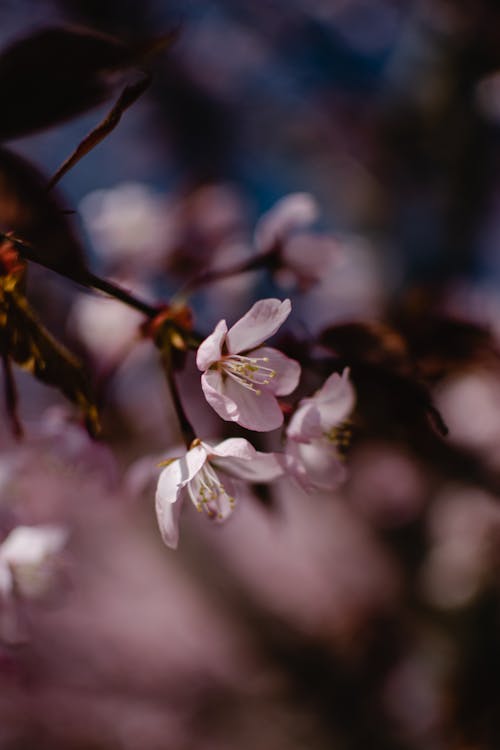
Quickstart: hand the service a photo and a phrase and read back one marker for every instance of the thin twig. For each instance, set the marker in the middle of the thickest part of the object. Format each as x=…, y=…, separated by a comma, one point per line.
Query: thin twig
x=82, y=276
x=166, y=357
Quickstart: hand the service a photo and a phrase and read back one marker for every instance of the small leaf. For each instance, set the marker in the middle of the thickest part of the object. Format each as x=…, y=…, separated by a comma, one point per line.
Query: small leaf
x=24, y=339
x=37, y=217
x=128, y=96
x=60, y=72
x=55, y=74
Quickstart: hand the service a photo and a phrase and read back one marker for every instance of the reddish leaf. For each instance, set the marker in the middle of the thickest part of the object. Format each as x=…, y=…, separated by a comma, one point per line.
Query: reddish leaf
x=57, y=73
x=24, y=340
x=37, y=217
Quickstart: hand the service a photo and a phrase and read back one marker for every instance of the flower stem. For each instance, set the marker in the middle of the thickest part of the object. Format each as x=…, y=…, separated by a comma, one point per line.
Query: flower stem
x=165, y=347
x=11, y=399
x=209, y=277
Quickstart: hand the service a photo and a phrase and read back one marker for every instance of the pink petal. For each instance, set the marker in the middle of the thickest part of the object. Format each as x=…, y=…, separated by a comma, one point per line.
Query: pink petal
x=335, y=400
x=287, y=370
x=168, y=514
x=305, y=424
x=234, y=448
x=259, y=412
x=212, y=384
x=264, y=467
x=291, y=212
x=293, y=466
x=177, y=474
x=324, y=468
x=6, y=581
x=311, y=256
x=210, y=350
x=234, y=403
x=258, y=324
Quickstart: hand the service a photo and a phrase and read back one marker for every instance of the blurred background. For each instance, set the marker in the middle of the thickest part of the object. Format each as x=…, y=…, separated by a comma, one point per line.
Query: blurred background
x=364, y=619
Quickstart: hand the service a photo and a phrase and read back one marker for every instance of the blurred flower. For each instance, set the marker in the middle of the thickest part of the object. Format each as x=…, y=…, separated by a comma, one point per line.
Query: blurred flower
x=106, y=327
x=243, y=388
x=195, y=475
x=127, y=223
x=316, y=432
x=464, y=530
x=291, y=212
x=469, y=403
x=304, y=257
x=23, y=556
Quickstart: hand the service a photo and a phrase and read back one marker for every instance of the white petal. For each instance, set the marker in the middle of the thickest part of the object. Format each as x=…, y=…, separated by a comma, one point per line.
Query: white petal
x=168, y=514
x=324, y=468
x=30, y=545
x=335, y=400
x=287, y=370
x=255, y=411
x=6, y=582
x=305, y=423
x=291, y=212
x=258, y=324
x=234, y=448
x=210, y=350
x=235, y=403
x=264, y=467
x=212, y=384
x=177, y=474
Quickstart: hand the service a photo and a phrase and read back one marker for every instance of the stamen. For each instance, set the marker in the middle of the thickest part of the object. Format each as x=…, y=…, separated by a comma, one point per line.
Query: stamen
x=206, y=492
x=340, y=436
x=247, y=371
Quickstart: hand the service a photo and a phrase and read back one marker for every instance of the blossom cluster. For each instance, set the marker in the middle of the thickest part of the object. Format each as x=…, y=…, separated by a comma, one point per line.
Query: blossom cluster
x=242, y=380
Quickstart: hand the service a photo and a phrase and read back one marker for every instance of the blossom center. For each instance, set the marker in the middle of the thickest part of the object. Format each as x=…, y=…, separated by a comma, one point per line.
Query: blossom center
x=208, y=493
x=340, y=437
x=249, y=372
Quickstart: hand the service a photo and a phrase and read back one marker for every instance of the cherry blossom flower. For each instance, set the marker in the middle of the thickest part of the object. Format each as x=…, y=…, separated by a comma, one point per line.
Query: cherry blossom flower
x=196, y=475
x=316, y=433
x=23, y=555
x=304, y=257
x=241, y=379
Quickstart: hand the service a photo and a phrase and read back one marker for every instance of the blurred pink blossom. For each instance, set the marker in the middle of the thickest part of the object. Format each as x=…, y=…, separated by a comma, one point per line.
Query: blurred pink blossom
x=314, y=432
x=24, y=555
x=305, y=257
x=240, y=387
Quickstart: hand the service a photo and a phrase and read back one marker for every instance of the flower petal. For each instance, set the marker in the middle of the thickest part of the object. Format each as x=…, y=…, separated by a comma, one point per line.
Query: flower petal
x=177, y=474
x=323, y=466
x=291, y=212
x=30, y=545
x=335, y=399
x=168, y=514
x=210, y=350
x=212, y=384
x=264, y=467
x=234, y=448
x=258, y=324
x=287, y=370
x=305, y=424
x=234, y=403
x=6, y=582
x=293, y=466
x=255, y=411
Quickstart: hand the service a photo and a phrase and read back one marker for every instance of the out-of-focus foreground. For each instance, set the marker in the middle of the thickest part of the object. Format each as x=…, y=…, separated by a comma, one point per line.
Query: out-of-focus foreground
x=340, y=153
